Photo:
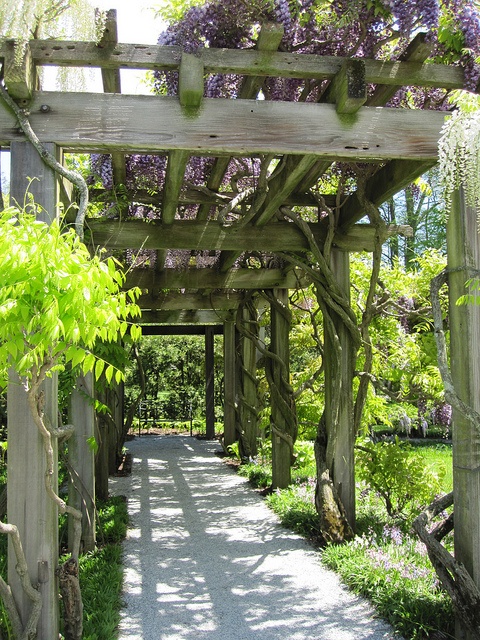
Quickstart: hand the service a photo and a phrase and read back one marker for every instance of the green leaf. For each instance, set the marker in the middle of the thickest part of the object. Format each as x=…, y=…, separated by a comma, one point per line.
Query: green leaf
x=99, y=366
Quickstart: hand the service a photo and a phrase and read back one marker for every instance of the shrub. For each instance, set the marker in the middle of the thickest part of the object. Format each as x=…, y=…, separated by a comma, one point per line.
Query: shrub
x=399, y=475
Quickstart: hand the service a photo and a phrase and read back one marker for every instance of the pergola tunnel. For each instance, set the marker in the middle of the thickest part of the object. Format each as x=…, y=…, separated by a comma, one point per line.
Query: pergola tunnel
x=244, y=199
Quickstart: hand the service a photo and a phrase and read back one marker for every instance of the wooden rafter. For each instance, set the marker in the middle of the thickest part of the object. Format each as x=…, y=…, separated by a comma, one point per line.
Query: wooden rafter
x=112, y=84
x=240, y=62
x=213, y=279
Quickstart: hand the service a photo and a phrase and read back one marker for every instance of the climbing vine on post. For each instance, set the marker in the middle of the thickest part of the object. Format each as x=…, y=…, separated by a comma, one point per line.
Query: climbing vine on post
x=56, y=303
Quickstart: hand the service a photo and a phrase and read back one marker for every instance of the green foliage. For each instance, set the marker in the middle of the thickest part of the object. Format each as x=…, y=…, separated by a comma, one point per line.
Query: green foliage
x=259, y=475
x=56, y=301
x=295, y=506
x=393, y=571
x=399, y=475
x=405, y=372
x=174, y=368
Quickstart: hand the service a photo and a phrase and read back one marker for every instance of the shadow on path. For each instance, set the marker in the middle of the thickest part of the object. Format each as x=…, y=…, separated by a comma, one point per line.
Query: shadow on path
x=206, y=558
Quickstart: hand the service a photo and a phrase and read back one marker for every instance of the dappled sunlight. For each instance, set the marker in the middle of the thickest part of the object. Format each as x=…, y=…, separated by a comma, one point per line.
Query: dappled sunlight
x=206, y=558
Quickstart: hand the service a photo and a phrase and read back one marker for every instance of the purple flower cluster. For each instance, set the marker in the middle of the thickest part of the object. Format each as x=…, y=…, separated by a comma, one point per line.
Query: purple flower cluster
x=101, y=167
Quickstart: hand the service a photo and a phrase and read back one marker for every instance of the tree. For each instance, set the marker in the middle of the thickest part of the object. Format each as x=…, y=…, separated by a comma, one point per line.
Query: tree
x=56, y=303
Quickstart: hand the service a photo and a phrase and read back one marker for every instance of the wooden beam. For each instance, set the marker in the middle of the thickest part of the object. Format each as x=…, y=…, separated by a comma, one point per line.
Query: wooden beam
x=186, y=316
x=348, y=89
x=201, y=196
x=179, y=330
x=385, y=183
x=241, y=62
x=190, y=81
x=173, y=301
x=177, y=162
x=210, y=279
x=112, y=84
x=210, y=236
x=113, y=122
x=419, y=50
x=282, y=185
x=268, y=41
x=19, y=75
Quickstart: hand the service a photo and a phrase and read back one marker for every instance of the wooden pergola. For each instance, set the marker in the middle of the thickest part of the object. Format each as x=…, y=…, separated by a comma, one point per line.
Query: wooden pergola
x=349, y=124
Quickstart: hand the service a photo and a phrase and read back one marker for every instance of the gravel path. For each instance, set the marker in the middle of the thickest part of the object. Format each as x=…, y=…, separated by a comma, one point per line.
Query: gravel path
x=206, y=559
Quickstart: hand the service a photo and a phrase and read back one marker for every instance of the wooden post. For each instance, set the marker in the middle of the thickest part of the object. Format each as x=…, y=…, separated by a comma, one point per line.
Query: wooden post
x=229, y=365
x=246, y=415
x=101, y=456
x=463, y=245
x=341, y=436
x=81, y=494
x=209, y=383
x=281, y=446
x=29, y=507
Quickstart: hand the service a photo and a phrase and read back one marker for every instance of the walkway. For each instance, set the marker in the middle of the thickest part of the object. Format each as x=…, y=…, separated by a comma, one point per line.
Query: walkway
x=206, y=559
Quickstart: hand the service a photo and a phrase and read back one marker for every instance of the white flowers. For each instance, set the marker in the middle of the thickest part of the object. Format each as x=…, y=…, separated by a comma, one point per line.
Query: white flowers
x=459, y=151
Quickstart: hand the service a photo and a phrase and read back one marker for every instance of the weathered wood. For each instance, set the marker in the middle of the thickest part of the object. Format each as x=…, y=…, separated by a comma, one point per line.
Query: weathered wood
x=186, y=316
x=348, y=89
x=210, y=236
x=177, y=161
x=180, y=330
x=463, y=250
x=388, y=181
x=419, y=50
x=101, y=454
x=242, y=62
x=25, y=164
x=172, y=301
x=19, y=76
x=112, y=84
x=209, y=384
x=282, y=184
x=268, y=41
x=190, y=81
x=208, y=279
x=246, y=379
x=29, y=506
x=283, y=421
x=341, y=435
x=229, y=371
x=110, y=122
x=81, y=494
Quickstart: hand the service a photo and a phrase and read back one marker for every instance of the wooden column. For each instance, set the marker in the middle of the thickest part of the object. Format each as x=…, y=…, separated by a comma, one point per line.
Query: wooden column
x=81, y=494
x=29, y=507
x=209, y=383
x=229, y=367
x=101, y=455
x=463, y=244
x=281, y=446
x=341, y=435
x=247, y=413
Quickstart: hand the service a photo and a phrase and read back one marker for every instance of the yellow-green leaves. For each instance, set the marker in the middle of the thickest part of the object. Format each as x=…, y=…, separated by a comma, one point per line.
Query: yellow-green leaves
x=56, y=301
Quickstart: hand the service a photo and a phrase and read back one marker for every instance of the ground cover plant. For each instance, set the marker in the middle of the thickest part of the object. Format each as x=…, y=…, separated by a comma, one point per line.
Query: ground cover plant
x=385, y=561
x=101, y=573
